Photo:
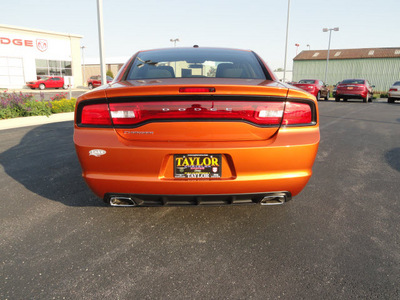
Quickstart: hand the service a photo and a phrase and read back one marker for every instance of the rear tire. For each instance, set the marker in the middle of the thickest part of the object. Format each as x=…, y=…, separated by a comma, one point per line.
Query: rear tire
x=390, y=100
x=337, y=99
x=90, y=86
x=318, y=96
x=365, y=99
x=327, y=96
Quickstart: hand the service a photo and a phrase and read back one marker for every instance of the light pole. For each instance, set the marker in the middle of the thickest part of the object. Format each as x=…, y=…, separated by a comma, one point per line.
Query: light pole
x=329, y=48
x=174, y=41
x=287, y=35
x=308, y=46
x=83, y=63
x=101, y=40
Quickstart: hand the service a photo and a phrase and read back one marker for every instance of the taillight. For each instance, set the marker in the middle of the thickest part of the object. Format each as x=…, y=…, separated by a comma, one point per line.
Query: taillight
x=297, y=113
x=136, y=113
x=95, y=114
x=393, y=90
x=261, y=113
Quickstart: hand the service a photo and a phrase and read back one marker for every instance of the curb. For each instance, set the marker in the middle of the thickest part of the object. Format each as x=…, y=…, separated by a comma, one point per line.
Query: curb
x=35, y=120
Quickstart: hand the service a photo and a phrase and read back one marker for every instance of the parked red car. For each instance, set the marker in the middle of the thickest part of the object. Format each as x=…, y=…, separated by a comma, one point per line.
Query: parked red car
x=354, y=89
x=315, y=87
x=95, y=81
x=47, y=82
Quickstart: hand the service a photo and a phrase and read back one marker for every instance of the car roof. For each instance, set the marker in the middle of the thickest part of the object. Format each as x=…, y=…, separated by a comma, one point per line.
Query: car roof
x=173, y=49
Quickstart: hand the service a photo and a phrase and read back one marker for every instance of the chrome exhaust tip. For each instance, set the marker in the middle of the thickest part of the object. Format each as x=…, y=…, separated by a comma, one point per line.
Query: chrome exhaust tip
x=274, y=200
x=122, y=201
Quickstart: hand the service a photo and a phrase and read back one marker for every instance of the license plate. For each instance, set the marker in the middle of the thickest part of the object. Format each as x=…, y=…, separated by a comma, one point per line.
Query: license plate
x=197, y=165
x=349, y=87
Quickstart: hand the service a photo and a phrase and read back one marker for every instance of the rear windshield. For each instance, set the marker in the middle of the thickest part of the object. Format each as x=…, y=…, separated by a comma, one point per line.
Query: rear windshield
x=353, y=81
x=307, y=81
x=396, y=83
x=196, y=63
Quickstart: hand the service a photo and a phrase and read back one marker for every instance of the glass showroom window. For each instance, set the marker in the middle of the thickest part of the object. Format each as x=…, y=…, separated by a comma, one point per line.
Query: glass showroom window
x=53, y=67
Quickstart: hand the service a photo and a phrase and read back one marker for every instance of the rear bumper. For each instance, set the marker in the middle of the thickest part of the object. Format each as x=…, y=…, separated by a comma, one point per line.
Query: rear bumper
x=184, y=200
x=394, y=94
x=352, y=96
x=282, y=163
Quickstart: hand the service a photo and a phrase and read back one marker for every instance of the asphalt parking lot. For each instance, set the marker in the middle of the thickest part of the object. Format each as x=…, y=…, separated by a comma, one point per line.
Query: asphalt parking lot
x=338, y=239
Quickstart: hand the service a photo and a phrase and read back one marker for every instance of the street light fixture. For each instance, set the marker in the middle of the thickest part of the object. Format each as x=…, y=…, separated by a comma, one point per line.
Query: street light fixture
x=174, y=41
x=329, y=48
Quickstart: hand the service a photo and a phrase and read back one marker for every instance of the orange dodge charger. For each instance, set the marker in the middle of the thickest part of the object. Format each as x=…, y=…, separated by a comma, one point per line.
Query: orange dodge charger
x=196, y=126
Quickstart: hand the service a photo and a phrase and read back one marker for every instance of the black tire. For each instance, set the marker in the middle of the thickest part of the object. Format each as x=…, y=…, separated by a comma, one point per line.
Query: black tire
x=365, y=99
x=327, y=96
x=42, y=86
x=390, y=100
x=370, y=98
x=344, y=100
x=337, y=99
x=90, y=86
x=318, y=95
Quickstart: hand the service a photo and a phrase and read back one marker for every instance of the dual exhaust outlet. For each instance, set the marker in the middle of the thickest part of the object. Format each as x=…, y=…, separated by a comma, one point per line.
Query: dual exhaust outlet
x=271, y=199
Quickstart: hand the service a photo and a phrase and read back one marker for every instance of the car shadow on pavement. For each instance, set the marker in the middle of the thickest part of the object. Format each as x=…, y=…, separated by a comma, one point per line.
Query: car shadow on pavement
x=393, y=158
x=45, y=163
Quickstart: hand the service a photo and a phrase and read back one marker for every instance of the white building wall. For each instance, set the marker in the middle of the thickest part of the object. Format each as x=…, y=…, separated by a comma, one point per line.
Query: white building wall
x=27, y=45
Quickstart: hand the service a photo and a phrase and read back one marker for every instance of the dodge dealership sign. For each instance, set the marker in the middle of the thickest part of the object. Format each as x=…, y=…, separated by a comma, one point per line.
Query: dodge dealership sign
x=41, y=44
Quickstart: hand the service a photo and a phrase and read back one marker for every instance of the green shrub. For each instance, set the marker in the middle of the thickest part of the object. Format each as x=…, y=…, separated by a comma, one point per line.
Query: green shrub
x=63, y=105
x=37, y=108
x=9, y=112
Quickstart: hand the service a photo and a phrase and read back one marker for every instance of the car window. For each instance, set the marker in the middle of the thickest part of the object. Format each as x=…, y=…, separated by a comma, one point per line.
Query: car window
x=353, y=81
x=307, y=81
x=195, y=62
x=396, y=83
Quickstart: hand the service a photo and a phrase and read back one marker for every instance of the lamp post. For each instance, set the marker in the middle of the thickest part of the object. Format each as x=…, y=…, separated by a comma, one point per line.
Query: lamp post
x=308, y=46
x=174, y=41
x=329, y=48
x=83, y=63
x=101, y=40
x=286, y=44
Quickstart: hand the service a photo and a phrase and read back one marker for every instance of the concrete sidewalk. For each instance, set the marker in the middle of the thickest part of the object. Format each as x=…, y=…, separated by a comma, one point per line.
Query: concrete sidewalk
x=35, y=120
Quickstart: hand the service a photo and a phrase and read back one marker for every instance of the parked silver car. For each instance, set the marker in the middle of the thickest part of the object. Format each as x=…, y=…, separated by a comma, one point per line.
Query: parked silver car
x=394, y=92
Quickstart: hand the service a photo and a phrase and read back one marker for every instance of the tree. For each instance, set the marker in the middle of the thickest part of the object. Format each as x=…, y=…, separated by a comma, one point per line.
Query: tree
x=110, y=73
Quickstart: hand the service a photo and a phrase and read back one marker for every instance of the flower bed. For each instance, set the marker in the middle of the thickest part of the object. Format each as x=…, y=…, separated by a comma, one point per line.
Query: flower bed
x=20, y=104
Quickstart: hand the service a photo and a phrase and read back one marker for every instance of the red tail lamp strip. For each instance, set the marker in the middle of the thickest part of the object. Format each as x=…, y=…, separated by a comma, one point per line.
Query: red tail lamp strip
x=259, y=113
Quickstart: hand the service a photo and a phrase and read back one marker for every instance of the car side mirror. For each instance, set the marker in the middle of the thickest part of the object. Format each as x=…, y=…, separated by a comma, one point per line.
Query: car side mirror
x=372, y=86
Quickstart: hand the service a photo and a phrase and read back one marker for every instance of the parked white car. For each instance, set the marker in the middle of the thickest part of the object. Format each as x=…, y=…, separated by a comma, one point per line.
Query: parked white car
x=394, y=92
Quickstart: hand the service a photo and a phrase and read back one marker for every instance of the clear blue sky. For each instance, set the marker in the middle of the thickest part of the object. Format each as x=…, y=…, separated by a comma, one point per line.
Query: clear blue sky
x=259, y=25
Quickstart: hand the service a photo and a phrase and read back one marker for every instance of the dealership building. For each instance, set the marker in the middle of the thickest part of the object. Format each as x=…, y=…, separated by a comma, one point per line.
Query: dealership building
x=26, y=54
x=380, y=66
